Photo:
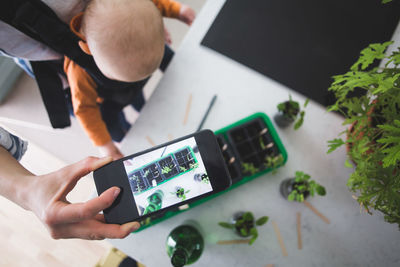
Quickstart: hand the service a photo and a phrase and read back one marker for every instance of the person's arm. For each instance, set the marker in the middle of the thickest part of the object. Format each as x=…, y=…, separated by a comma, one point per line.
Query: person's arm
x=86, y=109
x=45, y=195
x=174, y=9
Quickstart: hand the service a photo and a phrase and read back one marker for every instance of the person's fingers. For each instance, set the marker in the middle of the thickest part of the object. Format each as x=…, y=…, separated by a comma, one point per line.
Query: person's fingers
x=61, y=212
x=93, y=230
x=101, y=162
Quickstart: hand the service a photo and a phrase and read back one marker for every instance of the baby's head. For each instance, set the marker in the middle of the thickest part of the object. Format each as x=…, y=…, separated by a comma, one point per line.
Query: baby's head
x=125, y=37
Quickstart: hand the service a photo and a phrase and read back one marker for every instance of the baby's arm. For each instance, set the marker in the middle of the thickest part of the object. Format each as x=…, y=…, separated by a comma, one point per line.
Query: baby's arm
x=84, y=101
x=173, y=9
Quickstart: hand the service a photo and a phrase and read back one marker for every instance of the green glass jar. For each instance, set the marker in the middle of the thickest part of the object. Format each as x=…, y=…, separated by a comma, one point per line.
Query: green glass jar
x=184, y=245
x=155, y=202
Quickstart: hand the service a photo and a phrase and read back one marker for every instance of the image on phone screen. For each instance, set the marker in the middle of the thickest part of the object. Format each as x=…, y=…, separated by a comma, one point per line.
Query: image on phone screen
x=167, y=176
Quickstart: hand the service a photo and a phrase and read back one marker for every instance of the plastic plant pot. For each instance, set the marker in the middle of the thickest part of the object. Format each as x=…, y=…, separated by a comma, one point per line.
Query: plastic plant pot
x=286, y=187
x=282, y=120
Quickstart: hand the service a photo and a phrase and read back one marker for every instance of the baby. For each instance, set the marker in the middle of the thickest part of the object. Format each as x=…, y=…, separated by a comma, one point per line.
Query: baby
x=126, y=40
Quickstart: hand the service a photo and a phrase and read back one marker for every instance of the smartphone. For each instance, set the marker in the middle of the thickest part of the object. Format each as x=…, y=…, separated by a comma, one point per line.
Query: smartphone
x=164, y=177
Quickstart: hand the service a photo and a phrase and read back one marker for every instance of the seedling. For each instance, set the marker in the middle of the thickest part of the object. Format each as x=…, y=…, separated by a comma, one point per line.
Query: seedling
x=249, y=168
x=273, y=162
x=180, y=193
x=183, y=169
x=289, y=112
x=193, y=165
x=245, y=225
x=300, y=187
x=202, y=177
x=165, y=170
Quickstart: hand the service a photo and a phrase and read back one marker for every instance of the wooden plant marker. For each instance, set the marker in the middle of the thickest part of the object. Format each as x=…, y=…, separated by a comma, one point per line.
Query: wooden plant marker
x=269, y=265
x=299, y=241
x=150, y=140
x=311, y=207
x=170, y=137
x=280, y=240
x=235, y=241
x=188, y=105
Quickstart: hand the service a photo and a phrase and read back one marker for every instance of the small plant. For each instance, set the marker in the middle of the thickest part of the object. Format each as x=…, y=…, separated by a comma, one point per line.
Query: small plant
x=303, y=186
x=273, y=163
x=183, y=169
x=180, y=193
x=193, y=165
x=249, y=168
x=166, y=170
x=146, y=173
x=245, y=225
x=205, y=179
x=290, y=111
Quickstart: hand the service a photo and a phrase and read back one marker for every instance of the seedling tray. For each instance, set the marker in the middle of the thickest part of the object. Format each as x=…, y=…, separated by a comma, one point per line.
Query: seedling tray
x=248, y=146
x=162, y=170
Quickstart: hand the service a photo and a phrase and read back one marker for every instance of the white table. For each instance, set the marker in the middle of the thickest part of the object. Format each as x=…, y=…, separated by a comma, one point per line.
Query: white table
x=352, y=239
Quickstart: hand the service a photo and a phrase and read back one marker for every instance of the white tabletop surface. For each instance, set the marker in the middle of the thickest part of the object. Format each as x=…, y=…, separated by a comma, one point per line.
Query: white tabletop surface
x=352, y=238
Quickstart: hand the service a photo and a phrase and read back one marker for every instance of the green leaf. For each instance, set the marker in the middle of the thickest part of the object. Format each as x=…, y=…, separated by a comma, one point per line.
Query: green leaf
x=348, y=164
x=306, y=102
x=262, y=220
x=292, y=196
x=334, y=144
x=386, y=1
x=244, y=232
x=248, y=216
x=300, y=121
x=320, y=190
x=254, y=233
x=226, y=225
x=370, y=54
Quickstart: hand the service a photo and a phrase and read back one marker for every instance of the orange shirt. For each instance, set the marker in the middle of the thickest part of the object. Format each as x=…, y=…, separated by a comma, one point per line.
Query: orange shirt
x=85, y=99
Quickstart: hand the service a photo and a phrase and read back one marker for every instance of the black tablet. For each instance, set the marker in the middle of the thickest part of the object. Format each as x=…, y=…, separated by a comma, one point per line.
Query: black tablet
x=164, y=177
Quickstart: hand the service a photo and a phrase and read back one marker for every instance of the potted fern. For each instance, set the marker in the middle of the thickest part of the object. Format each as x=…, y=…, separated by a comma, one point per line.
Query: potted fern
x=373, y=136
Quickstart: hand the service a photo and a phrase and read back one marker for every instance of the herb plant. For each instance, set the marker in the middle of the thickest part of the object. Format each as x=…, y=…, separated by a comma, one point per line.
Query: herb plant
x=246, y=226
x=166, y=170
x=180, y=193
x=373, y=138
x=303, y=186
x=291, y=110
x=249, y=168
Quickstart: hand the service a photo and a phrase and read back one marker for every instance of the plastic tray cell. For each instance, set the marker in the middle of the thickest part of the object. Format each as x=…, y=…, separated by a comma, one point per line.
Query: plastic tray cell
x=168, y=167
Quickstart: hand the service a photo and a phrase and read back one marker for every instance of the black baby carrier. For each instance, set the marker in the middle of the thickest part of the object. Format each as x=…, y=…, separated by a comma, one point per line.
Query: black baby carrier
x=37, y=20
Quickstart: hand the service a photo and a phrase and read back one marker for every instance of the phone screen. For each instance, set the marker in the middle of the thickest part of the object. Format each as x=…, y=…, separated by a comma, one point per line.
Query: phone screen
x=167, y=176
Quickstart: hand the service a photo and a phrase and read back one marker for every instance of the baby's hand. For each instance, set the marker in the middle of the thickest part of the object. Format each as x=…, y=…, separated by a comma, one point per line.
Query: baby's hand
x=187, y=15
x=110, y=149
x=167, y=36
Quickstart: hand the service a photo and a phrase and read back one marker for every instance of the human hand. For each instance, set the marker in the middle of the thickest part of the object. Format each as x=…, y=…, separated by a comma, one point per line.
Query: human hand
x=110, y=149
x=167, y=36
x=47, y=199
x=186, y=14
